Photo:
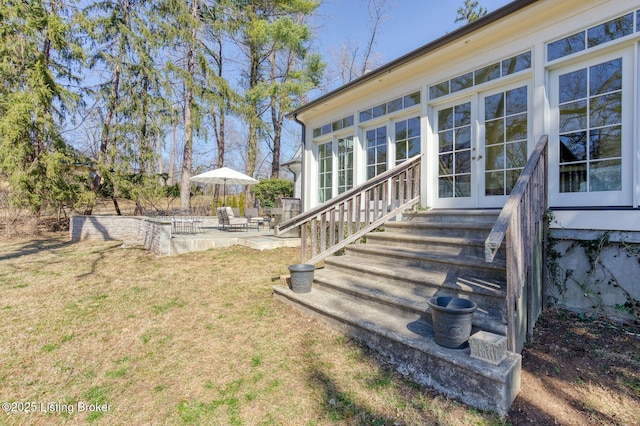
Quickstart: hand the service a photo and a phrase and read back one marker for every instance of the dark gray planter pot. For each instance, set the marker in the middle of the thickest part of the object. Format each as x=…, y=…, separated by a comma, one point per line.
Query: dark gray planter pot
x=301, y=277
x=451, y=318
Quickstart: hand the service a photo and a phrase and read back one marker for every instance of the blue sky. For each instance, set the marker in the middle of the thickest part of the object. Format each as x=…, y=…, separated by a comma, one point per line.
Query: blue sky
x=409, y=24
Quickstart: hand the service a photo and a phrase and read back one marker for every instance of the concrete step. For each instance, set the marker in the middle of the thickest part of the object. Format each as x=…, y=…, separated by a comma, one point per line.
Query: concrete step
x=439, y=244
x=458, y=265
x=406, y=292
x=406, y=340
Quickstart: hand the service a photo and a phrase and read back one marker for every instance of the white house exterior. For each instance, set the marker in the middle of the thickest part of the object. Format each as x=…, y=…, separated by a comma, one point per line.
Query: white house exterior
x=475, y=102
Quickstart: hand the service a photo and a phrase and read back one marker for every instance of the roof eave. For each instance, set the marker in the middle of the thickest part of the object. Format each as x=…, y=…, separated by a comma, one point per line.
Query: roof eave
x=476, y=25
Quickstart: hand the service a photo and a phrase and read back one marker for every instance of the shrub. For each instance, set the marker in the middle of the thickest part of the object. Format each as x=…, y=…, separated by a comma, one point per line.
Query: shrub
x=268, y=191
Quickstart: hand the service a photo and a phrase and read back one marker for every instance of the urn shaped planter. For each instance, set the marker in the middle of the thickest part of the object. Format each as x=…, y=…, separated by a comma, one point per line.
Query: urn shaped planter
x=451, y=318
x=301, y=277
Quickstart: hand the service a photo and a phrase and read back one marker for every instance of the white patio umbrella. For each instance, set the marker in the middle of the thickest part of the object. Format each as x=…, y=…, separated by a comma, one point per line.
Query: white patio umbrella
x=224, y=176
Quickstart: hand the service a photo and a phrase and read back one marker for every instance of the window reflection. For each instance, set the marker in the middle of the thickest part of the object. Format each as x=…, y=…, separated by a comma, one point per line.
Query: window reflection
x=506, y=133
x=454, y=159
x=590, y=118
x=611, y=30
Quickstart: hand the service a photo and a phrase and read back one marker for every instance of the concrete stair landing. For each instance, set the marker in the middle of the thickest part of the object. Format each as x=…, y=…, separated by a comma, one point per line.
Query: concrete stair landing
x=377, y=293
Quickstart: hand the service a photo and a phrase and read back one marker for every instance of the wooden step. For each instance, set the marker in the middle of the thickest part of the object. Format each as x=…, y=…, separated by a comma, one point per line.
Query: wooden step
x=454, y=264
x=439, y=244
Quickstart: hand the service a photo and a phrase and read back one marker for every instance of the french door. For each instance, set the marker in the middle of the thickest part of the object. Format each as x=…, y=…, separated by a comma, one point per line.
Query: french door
x=482, y=144
x=590, y=145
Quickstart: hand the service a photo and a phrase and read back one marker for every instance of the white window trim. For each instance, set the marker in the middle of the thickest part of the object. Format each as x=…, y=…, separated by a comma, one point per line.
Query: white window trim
x=627, y=196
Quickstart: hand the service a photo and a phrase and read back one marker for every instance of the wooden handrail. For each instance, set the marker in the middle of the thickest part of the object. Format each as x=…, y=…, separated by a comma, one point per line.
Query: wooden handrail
x=522, y=226
x=344, y=219
x=499, y=230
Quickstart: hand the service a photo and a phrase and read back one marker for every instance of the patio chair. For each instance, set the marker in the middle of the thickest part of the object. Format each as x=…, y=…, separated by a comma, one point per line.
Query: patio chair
x=229, y=221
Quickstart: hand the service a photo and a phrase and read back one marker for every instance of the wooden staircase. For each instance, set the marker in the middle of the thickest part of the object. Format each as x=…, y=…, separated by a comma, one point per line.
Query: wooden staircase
x=377, y=293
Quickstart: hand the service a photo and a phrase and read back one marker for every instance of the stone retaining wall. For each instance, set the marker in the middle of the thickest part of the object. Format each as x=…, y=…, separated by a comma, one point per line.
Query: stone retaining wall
x=595, y=272
x=152, y=233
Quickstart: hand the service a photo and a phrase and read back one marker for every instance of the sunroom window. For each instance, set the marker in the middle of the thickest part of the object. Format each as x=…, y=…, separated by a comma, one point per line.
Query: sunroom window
x=376, y=151
x=325, y=168
x=590, y=128
x=407, y=139
x=345, y=164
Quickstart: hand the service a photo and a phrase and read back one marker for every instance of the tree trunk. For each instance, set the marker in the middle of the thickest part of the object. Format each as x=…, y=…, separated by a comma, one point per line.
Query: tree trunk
x=172, y=152
x=187, y=159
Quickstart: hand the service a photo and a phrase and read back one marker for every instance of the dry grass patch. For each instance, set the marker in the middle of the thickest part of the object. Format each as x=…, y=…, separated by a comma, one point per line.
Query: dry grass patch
x=192, y=339
x=199, y=339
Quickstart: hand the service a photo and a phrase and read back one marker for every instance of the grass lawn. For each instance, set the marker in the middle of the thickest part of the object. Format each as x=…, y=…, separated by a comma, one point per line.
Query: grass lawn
x=94, y=333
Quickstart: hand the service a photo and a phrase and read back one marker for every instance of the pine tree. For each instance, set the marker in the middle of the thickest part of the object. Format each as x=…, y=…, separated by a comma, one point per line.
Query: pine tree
x=471, y=11
x=39, y=54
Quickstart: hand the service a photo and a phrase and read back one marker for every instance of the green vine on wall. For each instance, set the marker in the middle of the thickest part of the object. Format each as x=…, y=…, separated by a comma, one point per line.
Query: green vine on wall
x=597, y=275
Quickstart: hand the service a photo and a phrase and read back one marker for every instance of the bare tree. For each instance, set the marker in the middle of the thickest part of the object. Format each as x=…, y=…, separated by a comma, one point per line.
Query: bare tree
x=355, y=60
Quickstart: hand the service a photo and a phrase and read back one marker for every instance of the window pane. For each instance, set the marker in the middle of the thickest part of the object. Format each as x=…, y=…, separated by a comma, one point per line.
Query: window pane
x=414, y=147
x=494, y=157
x=573, y=178
x=371, y=155
x=394, y=105
x=516, y=100
x=605, y=110
x=412, y=99
x=381, y=152
x=494, y=183
x=371, y=172
x=605, y=175
x=606, y=142
x=611, y=30
x=379, y=110
x=445, y=119
x=463, y=186
x=516, y=127
x=487, y=73
x=606, y=77
x=516, y=64
x=401, y=151
x=446, y=164
x=494, y=132
x=365, y=115
x=401, y=130
x=573, y=86
x=463, y=138
x=413, y=127
x=463, y=162
x=516, y=155
x=463, y=114
x=348, y=121
x=566, y=46
x=494, y=106
x=326, y=129
x=445, y=141
x=445, y=187
x=438, y=90
x=573, y=147
x=573, y=116
x=462, y=82
x=316, y=132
